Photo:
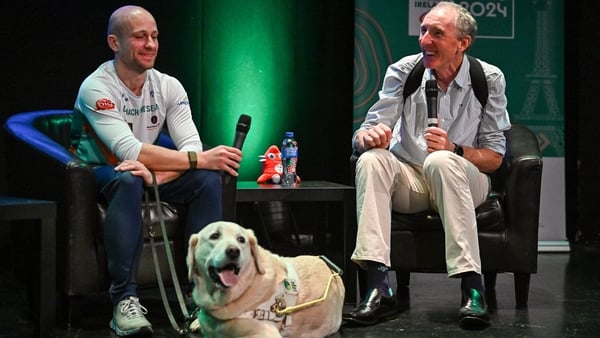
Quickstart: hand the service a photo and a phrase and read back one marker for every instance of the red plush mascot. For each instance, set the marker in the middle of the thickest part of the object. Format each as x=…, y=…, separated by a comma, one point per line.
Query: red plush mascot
x=272, y=167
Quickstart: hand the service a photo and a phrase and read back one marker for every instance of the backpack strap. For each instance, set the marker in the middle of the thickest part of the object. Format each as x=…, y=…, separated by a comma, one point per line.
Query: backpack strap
x=413, y=81
x=480, y=88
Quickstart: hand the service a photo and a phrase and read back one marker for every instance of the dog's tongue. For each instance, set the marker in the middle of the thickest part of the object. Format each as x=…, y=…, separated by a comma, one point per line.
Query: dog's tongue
x=228, y=277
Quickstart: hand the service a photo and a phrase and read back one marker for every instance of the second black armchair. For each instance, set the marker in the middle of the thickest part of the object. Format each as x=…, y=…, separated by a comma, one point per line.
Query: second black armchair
x=507, y=223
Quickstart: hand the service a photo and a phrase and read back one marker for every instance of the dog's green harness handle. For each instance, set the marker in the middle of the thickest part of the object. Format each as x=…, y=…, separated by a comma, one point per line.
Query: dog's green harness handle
x=332, y=265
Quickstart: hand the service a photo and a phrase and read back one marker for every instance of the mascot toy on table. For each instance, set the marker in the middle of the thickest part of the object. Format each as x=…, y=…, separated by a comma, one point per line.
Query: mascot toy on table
x=272, y=167
x=272, y=171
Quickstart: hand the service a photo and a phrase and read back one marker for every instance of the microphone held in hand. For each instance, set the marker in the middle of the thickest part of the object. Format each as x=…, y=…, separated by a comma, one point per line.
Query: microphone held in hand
x=241, y=129
x=431, y=94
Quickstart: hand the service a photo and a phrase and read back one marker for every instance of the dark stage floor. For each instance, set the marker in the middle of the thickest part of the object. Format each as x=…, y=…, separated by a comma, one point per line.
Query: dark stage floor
x=564, y=301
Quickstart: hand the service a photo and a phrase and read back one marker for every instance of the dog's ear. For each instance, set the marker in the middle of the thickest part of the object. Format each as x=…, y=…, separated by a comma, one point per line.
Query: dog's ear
x=255, y=250
x=191, y=256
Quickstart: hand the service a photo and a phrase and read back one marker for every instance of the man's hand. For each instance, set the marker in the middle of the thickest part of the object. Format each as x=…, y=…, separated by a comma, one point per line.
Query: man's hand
x=377, y=137
x=221, y=158
x=486, y=160
x=437, y=139
x=137, y=168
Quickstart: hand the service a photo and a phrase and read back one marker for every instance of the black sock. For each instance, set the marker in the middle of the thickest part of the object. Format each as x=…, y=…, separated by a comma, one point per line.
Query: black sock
x=378, y=278
x=471, y=280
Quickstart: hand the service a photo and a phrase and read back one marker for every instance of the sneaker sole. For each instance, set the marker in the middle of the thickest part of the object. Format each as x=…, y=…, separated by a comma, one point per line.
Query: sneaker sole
x=140, y=331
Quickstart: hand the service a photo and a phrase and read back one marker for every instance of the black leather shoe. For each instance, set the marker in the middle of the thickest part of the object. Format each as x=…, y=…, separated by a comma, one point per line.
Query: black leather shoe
x=474, y=313
x=376, y=308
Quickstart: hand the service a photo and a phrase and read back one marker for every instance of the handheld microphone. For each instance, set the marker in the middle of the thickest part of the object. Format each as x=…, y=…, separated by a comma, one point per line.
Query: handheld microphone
x=431, y=94
x=241, y=129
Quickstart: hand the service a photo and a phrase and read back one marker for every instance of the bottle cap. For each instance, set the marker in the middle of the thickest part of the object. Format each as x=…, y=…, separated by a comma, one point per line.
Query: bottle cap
x=289, y=134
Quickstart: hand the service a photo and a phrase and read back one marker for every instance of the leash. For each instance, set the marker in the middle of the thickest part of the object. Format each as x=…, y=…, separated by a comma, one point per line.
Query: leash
x=151, y=234
x=336, y=272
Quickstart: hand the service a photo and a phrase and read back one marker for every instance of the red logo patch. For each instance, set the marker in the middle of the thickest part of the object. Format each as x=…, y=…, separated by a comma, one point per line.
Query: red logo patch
x=104, y=104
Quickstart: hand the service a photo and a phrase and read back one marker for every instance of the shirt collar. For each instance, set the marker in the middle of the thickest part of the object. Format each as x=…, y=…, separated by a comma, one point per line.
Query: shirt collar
x=463, y=79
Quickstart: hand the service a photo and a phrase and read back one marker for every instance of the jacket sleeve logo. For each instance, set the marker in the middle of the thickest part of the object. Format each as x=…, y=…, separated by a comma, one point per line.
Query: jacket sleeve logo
x=104, y=104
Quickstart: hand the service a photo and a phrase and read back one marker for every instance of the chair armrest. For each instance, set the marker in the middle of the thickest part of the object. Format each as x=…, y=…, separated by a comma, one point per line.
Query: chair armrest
x=521, y=191
x=353, y=159
x=22, y=128
x=80, y=215
x=522, y=176
x=45, y=169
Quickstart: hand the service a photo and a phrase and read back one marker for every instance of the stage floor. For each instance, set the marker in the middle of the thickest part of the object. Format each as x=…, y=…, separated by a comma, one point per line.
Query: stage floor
x=563, y=302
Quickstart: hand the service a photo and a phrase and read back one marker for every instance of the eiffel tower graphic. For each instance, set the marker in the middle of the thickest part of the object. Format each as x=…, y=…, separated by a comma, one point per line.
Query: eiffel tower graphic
x=541, y=77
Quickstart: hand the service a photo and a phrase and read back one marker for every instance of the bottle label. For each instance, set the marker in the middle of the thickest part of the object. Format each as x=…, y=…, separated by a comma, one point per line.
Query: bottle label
x=291, y=152
x=290, y=165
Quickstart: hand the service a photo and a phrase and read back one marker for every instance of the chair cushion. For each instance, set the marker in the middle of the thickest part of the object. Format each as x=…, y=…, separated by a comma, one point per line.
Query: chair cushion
x=490, y=218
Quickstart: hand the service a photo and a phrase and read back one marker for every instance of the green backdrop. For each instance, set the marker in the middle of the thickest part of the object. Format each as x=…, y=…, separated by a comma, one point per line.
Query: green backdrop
x=246, y=58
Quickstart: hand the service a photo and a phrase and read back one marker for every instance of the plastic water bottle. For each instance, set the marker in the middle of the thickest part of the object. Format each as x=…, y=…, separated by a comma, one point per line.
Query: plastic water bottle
x=289, y=158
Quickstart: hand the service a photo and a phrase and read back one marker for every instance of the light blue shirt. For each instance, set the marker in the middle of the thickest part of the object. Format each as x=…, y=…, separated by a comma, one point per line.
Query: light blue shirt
x=459, y=111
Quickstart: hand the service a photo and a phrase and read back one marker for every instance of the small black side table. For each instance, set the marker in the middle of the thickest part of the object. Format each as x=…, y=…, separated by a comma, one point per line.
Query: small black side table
x=312, y=191
x=17, y=209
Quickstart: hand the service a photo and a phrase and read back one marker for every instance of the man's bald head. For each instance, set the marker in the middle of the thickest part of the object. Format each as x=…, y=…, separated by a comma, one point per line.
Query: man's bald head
x=121, y=16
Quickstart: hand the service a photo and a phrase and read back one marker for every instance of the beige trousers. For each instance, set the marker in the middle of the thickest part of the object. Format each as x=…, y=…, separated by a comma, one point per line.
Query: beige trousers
x=447, y=183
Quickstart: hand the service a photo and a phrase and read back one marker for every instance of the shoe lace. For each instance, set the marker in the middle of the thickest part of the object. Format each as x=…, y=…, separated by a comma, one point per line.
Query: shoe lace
x=131, y=308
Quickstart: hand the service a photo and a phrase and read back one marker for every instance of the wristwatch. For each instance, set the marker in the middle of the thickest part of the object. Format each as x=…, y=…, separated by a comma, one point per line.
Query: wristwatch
x=193, y=159
x=458, y=150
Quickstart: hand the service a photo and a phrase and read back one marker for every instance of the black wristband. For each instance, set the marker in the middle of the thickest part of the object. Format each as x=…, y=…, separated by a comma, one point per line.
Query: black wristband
x=458, y=150
x=193, y=158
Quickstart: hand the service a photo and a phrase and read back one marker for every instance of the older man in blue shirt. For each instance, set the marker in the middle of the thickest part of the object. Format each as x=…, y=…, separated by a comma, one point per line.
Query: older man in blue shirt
x=407, y=166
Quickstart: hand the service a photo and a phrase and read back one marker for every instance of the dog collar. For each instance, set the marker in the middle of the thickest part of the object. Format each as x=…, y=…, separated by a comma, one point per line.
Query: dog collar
x=285, y=296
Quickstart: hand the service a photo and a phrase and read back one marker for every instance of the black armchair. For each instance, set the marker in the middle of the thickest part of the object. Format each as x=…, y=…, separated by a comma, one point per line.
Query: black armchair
x=507, y=223
x=44, y=168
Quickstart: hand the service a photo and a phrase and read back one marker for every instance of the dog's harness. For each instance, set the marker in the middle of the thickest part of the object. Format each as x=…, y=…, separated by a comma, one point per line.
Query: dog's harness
x=285, y=295
x=283, y=302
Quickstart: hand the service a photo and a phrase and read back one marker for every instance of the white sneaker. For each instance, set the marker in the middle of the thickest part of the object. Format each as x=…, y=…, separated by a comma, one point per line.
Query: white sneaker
x=128, y=318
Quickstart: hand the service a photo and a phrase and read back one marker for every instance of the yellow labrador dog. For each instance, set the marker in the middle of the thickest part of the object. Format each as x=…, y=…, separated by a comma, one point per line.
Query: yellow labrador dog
x=243, y=290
